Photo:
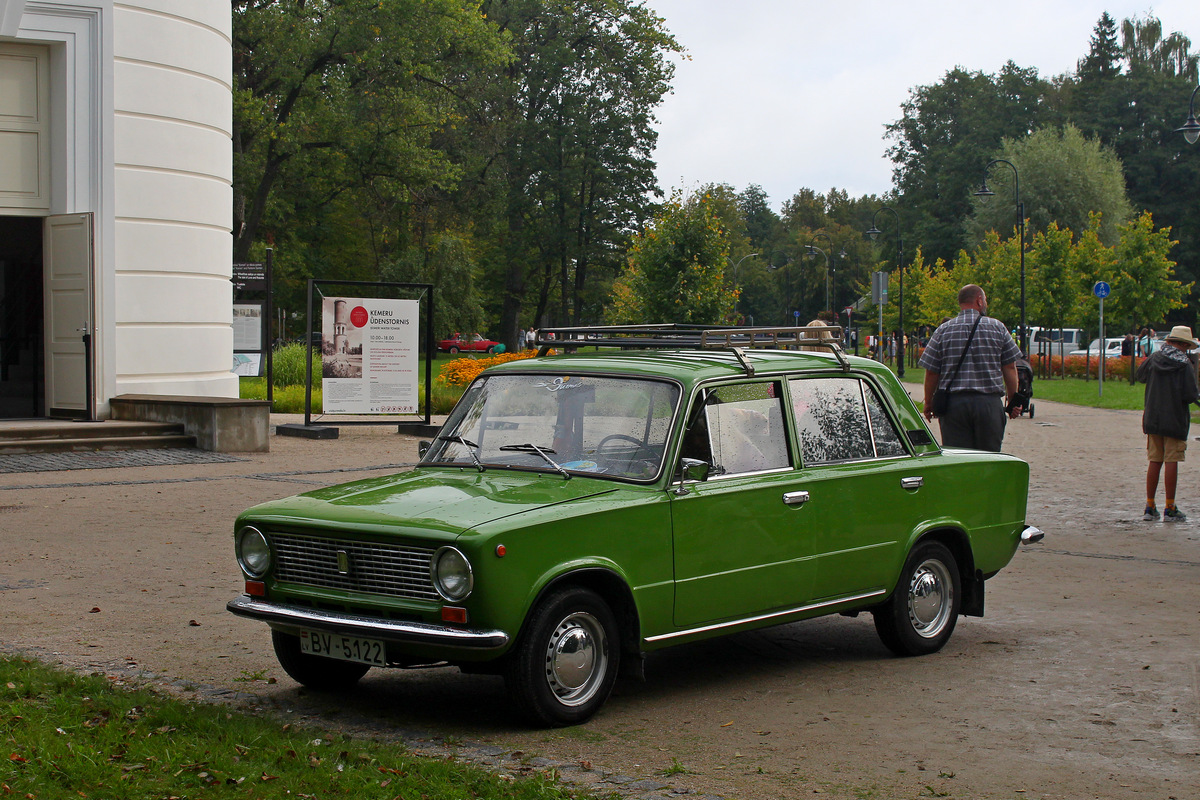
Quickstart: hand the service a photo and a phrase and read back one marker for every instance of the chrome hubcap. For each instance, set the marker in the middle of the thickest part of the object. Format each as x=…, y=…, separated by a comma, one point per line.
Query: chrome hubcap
x=930, y=598
x=576, y=658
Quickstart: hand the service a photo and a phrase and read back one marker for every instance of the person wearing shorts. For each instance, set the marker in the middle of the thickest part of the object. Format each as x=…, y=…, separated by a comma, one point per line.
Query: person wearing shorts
x=1170, y=377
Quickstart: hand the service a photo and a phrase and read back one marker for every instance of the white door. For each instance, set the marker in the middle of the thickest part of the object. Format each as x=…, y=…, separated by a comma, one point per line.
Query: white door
x=67, y=257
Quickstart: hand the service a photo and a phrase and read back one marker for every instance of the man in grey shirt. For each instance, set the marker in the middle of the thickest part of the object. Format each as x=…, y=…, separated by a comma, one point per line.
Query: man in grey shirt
x=981, y=387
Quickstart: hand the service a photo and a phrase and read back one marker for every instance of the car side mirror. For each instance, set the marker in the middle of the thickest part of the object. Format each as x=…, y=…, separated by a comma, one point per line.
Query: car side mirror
x=690, y=469
x=693, y=469
x=423, y=448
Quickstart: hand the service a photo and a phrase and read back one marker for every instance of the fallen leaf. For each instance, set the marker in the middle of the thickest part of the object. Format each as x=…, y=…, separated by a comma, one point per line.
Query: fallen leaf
x=727, y=724
x=193, y=623
x=95, y=610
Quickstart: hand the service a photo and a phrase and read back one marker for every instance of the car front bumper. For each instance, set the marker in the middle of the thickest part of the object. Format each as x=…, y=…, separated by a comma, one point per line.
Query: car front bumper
x=388, y=630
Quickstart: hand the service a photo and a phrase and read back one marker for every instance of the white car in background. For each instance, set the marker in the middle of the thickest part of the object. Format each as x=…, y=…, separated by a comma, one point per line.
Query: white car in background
x=1112, y=348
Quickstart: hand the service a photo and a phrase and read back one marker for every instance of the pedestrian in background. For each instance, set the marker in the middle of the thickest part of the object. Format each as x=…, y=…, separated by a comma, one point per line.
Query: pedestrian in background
x=1171, y=388
x=973, y=358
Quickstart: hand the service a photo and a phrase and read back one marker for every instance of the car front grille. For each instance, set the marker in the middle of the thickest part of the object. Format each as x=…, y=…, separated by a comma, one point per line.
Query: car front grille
x=388, y=569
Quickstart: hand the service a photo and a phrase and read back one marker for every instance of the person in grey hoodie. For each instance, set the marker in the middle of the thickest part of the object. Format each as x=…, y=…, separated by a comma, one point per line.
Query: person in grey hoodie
x=1171, y=387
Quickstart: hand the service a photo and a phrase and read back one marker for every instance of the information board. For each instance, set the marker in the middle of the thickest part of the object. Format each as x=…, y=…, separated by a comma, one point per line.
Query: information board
x=369, y=355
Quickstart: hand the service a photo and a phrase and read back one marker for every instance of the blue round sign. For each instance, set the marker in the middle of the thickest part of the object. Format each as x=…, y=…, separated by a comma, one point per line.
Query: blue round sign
x=1102, y=289
x=796, y=314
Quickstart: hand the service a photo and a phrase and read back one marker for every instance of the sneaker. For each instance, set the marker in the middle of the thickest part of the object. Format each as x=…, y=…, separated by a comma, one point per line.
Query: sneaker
x=1150, y=514
x=1174, y=515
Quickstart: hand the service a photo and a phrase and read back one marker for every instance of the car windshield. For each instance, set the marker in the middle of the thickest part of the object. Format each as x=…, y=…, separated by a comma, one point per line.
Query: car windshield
x=566, y=424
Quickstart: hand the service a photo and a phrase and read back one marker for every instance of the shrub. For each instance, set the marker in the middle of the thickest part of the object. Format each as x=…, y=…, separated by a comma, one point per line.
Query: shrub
x=1081, y=366
x=461, y=371
x=287, y=365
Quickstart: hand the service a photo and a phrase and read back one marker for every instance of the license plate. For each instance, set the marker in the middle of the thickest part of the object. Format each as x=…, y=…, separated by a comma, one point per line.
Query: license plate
x=343, y=648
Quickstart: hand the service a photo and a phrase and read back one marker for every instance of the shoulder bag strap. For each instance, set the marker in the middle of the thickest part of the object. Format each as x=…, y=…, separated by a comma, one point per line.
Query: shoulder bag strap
x=966, y=347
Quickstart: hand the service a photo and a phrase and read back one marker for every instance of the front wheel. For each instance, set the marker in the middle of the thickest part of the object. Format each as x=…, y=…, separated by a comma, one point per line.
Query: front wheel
x=453, y=350
x=566, y=662
x=921, y=613
x=314, y=672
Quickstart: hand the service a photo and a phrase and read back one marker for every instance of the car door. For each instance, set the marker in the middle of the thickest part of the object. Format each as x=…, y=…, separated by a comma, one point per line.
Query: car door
x=864, y=488
x=741, y=547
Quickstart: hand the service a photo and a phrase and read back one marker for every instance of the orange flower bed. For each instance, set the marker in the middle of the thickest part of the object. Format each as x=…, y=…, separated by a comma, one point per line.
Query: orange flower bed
x=461, y=371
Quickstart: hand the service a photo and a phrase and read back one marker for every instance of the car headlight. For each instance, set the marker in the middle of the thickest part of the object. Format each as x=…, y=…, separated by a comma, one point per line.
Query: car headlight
x=253, y=552
x=452, y=576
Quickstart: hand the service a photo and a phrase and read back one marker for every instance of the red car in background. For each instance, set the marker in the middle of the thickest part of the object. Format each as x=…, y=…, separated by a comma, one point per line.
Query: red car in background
x=473, y=343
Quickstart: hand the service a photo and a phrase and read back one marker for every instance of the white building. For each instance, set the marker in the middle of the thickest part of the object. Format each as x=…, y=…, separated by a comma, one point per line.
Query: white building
x=115, y=202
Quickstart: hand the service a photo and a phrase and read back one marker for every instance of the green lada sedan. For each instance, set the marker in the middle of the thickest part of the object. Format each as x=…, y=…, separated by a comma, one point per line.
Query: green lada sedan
x=579, y=511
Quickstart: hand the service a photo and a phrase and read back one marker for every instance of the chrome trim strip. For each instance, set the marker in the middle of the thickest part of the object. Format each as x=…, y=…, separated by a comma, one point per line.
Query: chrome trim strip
x=762, y=617
x=1031, y=535
x=387, y=629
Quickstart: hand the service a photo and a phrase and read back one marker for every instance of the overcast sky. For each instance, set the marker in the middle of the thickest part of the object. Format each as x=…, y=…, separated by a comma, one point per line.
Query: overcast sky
x=790, y=94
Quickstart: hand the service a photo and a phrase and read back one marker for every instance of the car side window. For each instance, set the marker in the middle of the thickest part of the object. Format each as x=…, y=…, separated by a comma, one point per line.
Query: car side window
x=741, y=429
x=841, y=419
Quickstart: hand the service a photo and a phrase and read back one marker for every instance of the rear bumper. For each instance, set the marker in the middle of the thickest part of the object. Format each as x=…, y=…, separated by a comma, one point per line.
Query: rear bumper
x=392, y=631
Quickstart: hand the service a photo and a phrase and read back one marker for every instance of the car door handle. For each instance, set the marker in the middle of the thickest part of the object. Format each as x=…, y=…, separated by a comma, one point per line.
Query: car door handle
x=912, y=483
x=795, y=498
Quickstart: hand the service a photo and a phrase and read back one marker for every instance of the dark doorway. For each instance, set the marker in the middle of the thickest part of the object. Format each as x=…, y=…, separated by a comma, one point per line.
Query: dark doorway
x=22, y=377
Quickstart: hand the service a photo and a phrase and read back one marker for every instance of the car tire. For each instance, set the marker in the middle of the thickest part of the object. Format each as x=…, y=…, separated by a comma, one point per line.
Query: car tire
x=314, y=672
x=565, y=664
x=491, y=350
x=453, y=350
x=923, y=609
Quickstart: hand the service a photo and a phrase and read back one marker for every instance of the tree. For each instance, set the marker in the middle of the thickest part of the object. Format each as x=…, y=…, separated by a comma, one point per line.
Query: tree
x=573, y=167
x=944, y=139
x=676, y=268
x=1103, y=60
x=1132, y=113
x=1144, y=47
x=1065, y=178
x=337, y=109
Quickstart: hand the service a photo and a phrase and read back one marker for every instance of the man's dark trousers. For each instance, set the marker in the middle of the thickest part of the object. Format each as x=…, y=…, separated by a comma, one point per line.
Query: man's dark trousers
x=974, y=420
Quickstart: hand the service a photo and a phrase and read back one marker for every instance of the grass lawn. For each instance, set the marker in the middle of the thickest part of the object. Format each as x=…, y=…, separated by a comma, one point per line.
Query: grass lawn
x=1118, y=393
x=69, y=735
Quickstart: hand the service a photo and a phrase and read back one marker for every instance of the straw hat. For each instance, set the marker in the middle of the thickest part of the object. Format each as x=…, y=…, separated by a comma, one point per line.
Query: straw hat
x=1183, y=335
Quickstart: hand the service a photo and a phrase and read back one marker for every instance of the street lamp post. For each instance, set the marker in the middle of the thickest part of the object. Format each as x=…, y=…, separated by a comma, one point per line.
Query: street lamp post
x=812, y=250
x=735, y=280
x=874, y=232
x=984, y=194
x=1191, y=128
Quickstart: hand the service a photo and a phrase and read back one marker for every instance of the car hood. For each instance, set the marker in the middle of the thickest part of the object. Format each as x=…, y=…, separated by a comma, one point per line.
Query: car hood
x=445, y=500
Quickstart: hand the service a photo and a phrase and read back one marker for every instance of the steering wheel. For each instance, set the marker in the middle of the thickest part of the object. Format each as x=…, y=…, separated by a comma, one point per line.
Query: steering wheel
x=629, y=459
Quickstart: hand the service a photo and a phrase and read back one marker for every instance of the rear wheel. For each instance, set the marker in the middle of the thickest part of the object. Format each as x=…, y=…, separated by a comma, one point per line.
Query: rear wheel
x=491, y=350
x=453, y=350
x=920, y=616
x=566, y=662
x=314, y=672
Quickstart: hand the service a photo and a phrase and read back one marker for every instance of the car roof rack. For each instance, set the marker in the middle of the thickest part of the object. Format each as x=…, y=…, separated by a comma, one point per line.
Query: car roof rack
x=678, y=336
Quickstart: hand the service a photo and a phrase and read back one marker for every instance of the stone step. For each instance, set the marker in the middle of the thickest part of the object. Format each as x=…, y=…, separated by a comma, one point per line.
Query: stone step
x=48, y=436
x=92, y=444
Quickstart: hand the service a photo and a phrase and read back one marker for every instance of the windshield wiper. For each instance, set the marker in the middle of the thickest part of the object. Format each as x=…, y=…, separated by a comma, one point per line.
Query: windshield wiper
x=541, y=451
x=471, y=448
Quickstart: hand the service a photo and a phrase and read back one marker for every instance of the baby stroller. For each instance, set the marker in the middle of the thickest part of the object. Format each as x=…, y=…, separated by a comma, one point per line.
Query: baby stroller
x=1022, y=400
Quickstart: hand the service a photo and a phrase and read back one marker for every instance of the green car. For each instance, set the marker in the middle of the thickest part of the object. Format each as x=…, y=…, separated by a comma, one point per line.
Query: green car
x=579, y=511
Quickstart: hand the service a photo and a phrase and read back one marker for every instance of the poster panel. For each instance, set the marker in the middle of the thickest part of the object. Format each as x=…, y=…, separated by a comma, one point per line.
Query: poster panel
x=247, y=326
x=369, y=356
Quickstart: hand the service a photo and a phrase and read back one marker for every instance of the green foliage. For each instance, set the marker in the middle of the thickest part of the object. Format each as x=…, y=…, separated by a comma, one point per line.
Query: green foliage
x=337, y=112
x=1060, y=272
x=1065, y=178
x=73, y=736
x=676, y=271
x=288, y=365
x=944, y=139
x=571, y=168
